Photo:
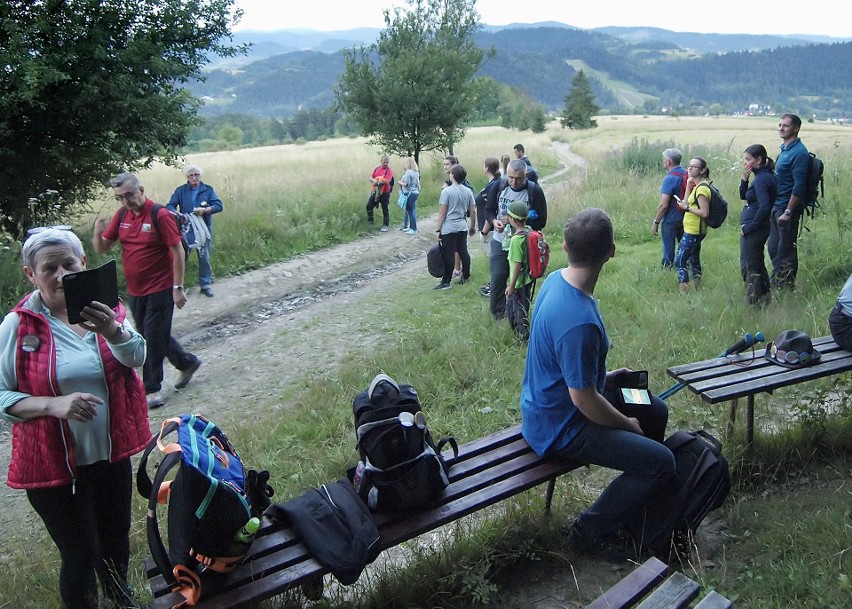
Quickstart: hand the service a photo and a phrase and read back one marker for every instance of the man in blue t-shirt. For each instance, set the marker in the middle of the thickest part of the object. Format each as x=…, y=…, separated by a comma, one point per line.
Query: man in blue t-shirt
x=791, y=174
x=669, y=216
x=566, y=406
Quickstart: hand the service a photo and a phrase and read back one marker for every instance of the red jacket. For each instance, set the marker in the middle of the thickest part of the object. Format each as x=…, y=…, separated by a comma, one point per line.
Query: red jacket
x=42, y=450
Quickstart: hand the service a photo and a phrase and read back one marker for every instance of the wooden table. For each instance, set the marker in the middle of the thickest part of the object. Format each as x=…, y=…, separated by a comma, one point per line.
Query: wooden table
x=723, y=379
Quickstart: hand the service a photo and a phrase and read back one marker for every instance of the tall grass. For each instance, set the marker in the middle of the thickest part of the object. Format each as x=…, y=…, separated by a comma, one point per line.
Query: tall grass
x=468, y=369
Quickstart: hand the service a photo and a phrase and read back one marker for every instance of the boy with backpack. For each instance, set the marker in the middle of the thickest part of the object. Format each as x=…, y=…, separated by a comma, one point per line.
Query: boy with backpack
x=518, y=287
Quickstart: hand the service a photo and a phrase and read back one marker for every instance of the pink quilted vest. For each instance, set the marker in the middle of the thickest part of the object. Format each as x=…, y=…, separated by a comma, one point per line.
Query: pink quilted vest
x=42, y=450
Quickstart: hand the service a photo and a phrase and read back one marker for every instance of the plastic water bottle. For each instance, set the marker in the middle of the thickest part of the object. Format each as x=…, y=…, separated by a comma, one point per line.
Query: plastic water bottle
x=248, y=531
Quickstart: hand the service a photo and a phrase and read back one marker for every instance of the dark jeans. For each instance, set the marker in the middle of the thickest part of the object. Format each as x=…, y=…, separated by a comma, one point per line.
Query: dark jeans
x=752, y=265
x=498, y=266
x=455, y=243
x=689, y=253
x=90, y=525
x=152, y=314
x=383, y=201
x=670, y=234
x=782, y=248
x=648, y=466
x=841, y=328
x=518, y=311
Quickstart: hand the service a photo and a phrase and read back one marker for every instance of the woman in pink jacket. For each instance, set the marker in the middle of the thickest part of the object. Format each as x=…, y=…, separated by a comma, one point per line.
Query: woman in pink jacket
x=78, y=413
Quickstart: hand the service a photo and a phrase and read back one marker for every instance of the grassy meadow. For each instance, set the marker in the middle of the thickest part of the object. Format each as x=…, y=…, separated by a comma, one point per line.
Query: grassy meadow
x=786, y=523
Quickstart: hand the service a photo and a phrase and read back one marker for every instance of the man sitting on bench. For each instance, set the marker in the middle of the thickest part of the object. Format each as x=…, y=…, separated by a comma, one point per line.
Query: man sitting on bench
x=566, y=408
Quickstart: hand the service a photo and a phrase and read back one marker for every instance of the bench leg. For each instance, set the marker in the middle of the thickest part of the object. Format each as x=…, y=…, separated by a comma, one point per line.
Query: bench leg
x=750, y=422
x=548, y=498
x=732, y=419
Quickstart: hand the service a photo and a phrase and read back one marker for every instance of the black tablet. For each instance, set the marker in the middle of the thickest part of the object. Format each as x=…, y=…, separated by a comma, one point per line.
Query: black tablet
x=100, y=284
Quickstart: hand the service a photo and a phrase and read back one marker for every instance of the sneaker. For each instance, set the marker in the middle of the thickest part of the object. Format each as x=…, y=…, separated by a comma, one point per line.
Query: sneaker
x=443, y=286
x=155, y=400
x=403, y=228
x=384, y=228
x=207, y=292
x=409, y=231
x=485, y=290
x=461, y=281
x=186, y=375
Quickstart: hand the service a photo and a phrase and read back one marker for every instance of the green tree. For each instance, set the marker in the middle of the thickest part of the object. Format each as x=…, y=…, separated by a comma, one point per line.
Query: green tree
x=413, y=90
x=580, y=104
x=92, y=87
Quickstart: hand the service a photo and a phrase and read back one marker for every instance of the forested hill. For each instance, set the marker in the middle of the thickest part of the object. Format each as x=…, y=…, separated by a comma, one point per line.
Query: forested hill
x=645, y=76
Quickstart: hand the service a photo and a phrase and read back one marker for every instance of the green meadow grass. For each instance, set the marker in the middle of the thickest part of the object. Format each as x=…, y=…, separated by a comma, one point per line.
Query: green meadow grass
x=286, y=200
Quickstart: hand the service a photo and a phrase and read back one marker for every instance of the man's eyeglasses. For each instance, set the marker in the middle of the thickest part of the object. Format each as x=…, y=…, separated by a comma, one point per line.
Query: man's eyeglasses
x=194, y=175
x=127, y=196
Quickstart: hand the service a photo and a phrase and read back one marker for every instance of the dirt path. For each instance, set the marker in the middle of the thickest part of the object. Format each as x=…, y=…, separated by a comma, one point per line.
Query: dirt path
x=310, y=303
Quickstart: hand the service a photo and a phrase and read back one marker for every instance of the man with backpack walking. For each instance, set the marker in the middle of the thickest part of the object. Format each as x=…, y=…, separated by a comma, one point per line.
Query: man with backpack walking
x=791, y=174
x=669, y=215
x=570, y=405
x=153, y=260
x=502, y=193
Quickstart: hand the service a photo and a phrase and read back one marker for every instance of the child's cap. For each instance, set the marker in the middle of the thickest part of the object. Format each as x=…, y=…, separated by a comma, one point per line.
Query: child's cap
x=518, y=210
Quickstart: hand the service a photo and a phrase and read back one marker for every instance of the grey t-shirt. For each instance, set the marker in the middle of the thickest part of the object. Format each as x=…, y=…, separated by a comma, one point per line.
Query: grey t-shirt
x=504, y=199
x=412, y=179
x=845, y=298
x=458, y=200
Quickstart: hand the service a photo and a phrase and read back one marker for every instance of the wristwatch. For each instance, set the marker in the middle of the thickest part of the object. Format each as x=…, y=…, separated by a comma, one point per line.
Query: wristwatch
x=178, y=287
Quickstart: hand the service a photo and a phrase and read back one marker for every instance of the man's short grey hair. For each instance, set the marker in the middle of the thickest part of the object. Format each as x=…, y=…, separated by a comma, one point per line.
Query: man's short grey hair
x=674, y=155
x=47, y=238
x=517, y=165
x=123, y=178
x=192, y=169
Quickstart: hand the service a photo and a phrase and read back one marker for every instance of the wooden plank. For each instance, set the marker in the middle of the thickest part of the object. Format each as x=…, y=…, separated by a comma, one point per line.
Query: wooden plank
x=714, y=600
x=627, y=591
x=675, y=593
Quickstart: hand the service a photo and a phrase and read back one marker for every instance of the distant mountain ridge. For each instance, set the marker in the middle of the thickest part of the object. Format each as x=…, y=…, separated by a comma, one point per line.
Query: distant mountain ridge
x=631, y=69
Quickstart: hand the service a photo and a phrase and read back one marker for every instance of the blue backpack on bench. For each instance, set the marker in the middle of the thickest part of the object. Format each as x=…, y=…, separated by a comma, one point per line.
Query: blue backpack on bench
x=214, y=503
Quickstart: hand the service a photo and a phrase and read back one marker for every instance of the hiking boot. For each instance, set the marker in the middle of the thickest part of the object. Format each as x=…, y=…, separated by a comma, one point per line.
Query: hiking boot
x=186, y=375
x=443, y=286
x=155, y=400
x=207, y=292
x=611, y=548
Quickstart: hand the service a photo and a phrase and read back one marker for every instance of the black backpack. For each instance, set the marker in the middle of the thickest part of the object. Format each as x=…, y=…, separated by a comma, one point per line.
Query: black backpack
x=214, y=504
x=815, y=189
x=401, y=467
x=718, y=208
x=435, y=260
x=703, y=482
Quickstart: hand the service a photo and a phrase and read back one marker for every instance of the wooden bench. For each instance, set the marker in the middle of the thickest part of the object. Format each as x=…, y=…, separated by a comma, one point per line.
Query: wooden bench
x=727, y=379
x=486, y=471
x=646, y=587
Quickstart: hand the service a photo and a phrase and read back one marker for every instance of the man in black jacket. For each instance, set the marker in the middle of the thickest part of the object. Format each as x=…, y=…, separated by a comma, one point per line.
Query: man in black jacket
x=515, y=188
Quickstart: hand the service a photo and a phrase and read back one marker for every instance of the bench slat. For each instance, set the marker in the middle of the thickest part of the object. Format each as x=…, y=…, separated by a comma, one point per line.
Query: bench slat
x=634, y=586
x=675, y=593
x=714, y=600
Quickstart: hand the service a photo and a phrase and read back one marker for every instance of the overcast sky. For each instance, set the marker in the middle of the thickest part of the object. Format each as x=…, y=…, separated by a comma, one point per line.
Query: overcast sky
x=823, y=17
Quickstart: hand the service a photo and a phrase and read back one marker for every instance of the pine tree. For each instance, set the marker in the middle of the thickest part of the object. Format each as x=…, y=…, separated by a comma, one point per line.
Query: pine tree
x=580, y=104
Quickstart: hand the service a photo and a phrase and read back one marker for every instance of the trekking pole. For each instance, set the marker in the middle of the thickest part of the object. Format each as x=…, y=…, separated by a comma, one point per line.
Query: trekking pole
x=748, y=340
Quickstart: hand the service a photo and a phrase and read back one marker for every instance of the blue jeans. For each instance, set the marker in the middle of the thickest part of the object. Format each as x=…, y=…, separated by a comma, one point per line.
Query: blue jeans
x=205, y=271
x=689, y=252
x=648, y=467
x=670, y=234
x=410, y=219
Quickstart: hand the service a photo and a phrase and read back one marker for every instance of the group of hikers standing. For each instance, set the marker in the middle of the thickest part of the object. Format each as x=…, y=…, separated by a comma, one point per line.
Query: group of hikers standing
x=773, y=192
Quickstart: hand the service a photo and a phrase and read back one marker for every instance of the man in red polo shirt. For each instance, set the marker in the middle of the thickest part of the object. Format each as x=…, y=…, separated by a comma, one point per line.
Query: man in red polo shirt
x=153, y=259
